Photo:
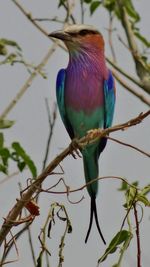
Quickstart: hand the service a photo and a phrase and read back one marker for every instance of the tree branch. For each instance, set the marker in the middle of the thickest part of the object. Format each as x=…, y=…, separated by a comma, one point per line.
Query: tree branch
x=124, y=73
x=131, y=89
x=11, y=218
x=142, y=68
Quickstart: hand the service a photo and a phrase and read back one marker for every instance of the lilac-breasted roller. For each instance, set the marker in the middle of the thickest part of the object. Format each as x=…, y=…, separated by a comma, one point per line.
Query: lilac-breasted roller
x=85, y=93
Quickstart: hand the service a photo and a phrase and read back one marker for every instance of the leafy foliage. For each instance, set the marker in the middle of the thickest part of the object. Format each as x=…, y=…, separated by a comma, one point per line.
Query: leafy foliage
x=18, y=155
x=112, y=7
x=6, y=124
x=120, y=238
x=9, y=57
x=94, y=5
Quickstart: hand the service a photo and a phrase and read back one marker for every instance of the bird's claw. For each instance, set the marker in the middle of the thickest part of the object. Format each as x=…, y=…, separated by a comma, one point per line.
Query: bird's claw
x=75, y=149
x=94, y=133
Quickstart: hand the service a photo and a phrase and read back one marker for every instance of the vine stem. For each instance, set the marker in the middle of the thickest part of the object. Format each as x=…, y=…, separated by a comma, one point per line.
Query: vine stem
x=137, y=236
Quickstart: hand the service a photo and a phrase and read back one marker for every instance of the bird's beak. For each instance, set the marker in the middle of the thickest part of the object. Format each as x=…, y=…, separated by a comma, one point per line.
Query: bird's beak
x=64, y=36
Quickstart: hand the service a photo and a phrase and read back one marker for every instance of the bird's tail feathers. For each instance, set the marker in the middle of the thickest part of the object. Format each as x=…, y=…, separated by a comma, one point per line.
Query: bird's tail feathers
x=91, y=172
x=94, y=212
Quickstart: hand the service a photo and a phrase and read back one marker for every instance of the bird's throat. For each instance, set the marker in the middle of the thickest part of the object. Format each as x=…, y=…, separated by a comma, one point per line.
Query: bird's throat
x=84, y=60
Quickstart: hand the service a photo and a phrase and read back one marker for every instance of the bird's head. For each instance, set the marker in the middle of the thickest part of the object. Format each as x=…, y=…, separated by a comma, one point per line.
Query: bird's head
x=80, y=37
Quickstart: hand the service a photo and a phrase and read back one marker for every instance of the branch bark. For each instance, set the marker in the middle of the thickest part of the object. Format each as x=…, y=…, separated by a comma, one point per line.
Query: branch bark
x=142, y=69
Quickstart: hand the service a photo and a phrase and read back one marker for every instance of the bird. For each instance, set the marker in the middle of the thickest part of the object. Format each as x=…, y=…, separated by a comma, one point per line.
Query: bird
x=86, y=95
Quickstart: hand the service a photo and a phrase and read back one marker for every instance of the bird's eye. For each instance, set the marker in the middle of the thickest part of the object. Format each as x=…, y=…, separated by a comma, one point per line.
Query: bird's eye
x=83, y=32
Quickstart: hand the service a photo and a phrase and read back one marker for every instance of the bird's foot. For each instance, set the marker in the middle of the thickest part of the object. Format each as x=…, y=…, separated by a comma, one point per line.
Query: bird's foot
x=74, y=147
x=93, y=134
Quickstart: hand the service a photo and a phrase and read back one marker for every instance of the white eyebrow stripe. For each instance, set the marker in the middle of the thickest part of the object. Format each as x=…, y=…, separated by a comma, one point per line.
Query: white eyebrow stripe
x=78, y=27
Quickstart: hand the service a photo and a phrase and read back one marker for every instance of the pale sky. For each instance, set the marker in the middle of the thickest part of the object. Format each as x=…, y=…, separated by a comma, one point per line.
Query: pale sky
x=31, y=130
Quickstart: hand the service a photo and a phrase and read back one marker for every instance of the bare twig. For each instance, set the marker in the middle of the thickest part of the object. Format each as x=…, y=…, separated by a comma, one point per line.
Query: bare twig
x=69, y=7
x=51, y=125
x=28, y=82
x=110, y=30
x=55, y=19
x=131, y=89
x=128, y=145
x=29, y=16
x=82, y=11
x=86, y=185
x=68, y=229
x=11, y=243
x=137, y=236
x=42, y=237
x=124, y=73
x=29, y=234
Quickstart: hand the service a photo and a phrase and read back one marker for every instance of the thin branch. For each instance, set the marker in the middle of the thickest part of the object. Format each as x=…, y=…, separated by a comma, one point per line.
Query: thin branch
x=42, y=237
x=128, y=145
x=132, y=90
x=28, y=82
x=110, y=30
x=67, y=192
x=82, y=11
x=55, y=19
x=29, y=16
x=142, y=68
x=11, y=243
x=29, y=235
x=137, y=237
x=26, y=197
x=69, y=9
x=51, y=129
x=124, y=73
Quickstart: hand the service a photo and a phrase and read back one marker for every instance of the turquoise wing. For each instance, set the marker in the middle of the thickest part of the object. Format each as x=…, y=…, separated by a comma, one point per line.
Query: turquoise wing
x=109, y=106
x=109, y=99
x=60, y=95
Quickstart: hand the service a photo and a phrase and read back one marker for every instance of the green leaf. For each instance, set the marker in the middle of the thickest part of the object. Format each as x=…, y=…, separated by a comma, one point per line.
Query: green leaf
x=5, y=155
x=124, y=186
x=145, y=190
x=131, y=10
x=69, y=228
x=3, y=169
x=87, y=1
x=130, y=195
x=61, y=3
x=136, y=183
x=39, y=259
x=110, y=5
x=8, y=42
x=21, y=165
x=142, y=38
x=21, y=152
x=119, y=238
x=1, y=140
x=143, y=199
x=94, y=6
x=3, y=50
x=6, y=124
